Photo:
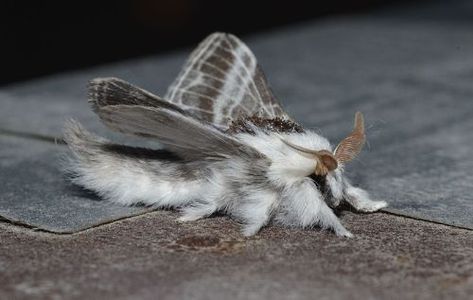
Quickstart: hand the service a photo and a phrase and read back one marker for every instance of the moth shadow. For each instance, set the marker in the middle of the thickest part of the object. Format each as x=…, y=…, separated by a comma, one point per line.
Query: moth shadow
x=78, y=191
x=141, y=153
x=343, y=208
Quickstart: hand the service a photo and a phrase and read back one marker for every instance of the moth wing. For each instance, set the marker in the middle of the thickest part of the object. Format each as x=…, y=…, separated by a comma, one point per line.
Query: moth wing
x=222, y=81
x=114, y=91
x=131, y=110
x=181, y=133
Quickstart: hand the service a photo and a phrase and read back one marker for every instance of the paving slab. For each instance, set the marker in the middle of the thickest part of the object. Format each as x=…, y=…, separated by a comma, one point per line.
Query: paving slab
x=154, y=257
x=35, y=193
x=410, y=76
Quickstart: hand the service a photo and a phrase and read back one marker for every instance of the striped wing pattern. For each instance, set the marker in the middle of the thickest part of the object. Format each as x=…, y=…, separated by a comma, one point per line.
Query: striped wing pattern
x=222, y=81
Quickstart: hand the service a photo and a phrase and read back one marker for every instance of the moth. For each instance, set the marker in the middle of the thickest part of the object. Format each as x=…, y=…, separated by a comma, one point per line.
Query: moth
x=229, y=147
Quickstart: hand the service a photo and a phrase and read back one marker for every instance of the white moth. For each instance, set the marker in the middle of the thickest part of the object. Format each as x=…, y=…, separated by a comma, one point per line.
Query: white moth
x=229, y=147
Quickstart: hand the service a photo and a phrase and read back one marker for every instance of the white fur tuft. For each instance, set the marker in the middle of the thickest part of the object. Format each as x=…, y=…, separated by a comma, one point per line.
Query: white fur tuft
x=287, y=164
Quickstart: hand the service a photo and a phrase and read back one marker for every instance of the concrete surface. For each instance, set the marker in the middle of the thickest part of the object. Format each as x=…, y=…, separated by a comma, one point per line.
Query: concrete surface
x=35, y=192
x=154, y=257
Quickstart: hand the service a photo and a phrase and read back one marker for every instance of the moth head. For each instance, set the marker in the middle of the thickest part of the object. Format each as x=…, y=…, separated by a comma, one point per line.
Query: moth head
x=346, y=150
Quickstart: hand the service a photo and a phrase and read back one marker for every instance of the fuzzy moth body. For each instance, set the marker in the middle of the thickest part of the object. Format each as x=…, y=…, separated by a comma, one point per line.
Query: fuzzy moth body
x=229, y=147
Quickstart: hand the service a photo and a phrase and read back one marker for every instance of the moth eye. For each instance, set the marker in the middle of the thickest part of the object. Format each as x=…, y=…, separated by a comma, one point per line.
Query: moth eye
x=325, y=162
x=329, y=161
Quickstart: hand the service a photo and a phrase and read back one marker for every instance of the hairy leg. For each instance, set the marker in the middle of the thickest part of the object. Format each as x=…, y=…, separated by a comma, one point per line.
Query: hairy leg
x=255, y=210
x=360, y=200
x=304, y=206
x=197, y=210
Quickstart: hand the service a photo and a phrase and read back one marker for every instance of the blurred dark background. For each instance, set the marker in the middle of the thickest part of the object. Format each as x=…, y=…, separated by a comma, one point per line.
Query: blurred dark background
x=44, y=37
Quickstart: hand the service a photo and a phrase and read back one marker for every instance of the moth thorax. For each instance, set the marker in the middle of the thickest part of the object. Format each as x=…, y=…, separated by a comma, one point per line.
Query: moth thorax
x=247, y=125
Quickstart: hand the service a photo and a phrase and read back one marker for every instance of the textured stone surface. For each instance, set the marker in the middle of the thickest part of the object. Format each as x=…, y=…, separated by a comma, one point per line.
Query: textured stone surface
x=154, y=257
x=34, y=192
x=411, y=77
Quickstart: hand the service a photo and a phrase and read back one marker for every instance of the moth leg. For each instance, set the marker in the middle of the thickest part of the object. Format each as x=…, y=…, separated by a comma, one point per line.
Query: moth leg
x=335, y=182
x=305, y=206
x=197, y=211
x=360, y=200
x=328, y=219
x=256, y=210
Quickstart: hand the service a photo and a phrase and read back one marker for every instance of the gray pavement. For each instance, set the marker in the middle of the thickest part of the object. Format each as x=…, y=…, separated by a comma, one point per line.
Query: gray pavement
x=35, y=193
x=154, y=257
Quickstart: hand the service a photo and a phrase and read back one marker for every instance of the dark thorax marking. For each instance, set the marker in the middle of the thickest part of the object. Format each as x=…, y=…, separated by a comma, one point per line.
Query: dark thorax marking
x=321, y=183
x=247, y=125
